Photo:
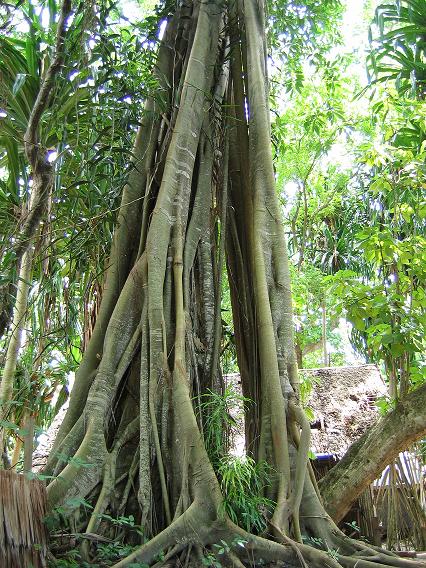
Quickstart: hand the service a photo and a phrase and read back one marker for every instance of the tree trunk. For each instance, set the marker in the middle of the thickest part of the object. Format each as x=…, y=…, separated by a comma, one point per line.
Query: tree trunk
x=42, y=173
x=324, y=335
x=202, y=173
x=367, y=457
x=15, y=343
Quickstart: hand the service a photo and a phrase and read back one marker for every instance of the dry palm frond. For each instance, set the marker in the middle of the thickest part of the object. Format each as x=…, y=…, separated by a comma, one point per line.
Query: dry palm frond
x=23, y=536
x=400, y=502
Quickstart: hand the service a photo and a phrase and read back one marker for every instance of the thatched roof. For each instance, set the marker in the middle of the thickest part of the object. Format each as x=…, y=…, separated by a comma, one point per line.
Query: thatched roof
x=23, y=536
x=343, y=404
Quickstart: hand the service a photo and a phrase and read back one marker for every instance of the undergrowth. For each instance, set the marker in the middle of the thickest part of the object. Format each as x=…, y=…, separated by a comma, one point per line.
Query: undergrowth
x=243, y=481
x=104, y=551
x=220, y=416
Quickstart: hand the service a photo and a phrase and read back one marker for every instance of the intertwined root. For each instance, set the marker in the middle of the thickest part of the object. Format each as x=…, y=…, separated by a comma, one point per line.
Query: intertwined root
x=239, y=548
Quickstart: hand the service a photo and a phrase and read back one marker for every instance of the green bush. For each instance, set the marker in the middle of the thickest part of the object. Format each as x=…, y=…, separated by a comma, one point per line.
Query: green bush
x=243, y=483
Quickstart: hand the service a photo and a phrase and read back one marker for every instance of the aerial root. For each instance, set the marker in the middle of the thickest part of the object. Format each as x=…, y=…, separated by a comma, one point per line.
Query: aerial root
x=271, y=551
x=378, y=561
x=307, y=556
x=183, y=531
x=294, y=554
x=187, y=556
x=233, y=561
x=168, y=560
x=191, y=536
x=369, y=556
x=284, y=539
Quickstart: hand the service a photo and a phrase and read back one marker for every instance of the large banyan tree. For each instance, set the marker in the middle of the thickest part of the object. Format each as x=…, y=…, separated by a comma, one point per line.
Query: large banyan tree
x=200, y=194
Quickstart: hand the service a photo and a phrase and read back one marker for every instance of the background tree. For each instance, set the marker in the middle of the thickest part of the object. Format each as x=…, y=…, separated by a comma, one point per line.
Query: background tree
x=84, y=136
x=385, y=300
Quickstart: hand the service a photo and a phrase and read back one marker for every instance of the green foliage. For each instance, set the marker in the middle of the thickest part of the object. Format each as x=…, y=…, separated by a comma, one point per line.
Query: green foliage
x=309, y=291
x=71, y=559
x=306, y=385
x=384, y=404
x=321, y=545
x=243, y=483
x=300, y=32
x=228, y=358
x=313, y=188
x=386, y=301
x=218, y=412
x=211, y=558
x=87, y=130
x=398, y=48
x=352, y=525
x=106, y=553
x=312, y=294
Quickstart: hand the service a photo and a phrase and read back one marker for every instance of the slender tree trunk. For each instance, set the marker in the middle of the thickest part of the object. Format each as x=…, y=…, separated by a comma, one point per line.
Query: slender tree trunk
x=324, y=335
x=42, y=173
x=15, y=341
x=28, y=443
x=299, y=356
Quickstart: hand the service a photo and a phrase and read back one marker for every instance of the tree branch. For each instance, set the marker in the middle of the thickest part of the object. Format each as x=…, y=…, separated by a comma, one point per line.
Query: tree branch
x=367, y=457
x=42, y=170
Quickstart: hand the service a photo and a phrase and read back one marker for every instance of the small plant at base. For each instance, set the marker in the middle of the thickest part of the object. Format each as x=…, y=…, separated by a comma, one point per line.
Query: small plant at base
x=352, y=525
x=105, y=554
x=243, y=482
x=313, y=541
x=160, y=556
x=108, y=554
x=356, y=529
x=219, y=424
x=211, y=561
x=319, y=543
x=238, y=541
x=60, y=518
x=222, y=547
x=333, y=553
x=124, y=522
x=71, y=559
